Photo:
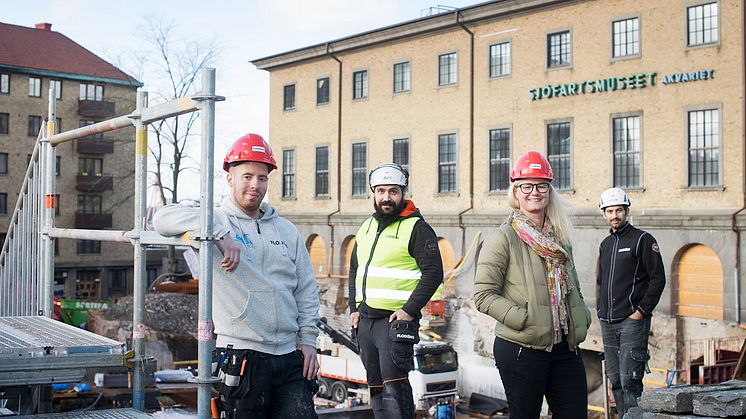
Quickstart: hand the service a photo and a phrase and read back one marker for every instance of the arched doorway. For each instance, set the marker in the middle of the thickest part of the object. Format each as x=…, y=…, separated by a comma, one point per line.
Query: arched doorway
x=347, y=245
x=699, y=283
x=317, y=250
x=446, y=254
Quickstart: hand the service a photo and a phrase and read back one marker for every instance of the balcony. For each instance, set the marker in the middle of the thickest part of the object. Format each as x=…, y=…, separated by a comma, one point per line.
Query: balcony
x=93, y=221
x=93, y=145
x=96, y=108
x=86, y=183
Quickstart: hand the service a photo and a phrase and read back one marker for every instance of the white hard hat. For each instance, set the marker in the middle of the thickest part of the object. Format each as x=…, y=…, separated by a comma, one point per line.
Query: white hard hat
x=613, y=196
x=388, y=174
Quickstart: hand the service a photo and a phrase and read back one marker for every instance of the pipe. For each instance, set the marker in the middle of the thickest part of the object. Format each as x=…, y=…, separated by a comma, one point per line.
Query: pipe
x=339, y=160
x=50, y=197
x=205, y=326
x=471, y=131
x=737, y=264
x=138, y=298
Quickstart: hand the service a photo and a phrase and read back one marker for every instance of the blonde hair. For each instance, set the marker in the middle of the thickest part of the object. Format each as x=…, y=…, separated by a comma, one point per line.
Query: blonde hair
x=555, y=211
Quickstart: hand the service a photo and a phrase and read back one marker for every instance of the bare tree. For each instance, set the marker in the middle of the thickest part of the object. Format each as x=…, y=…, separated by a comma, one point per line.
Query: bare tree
x=172, y=67
x=177, y=63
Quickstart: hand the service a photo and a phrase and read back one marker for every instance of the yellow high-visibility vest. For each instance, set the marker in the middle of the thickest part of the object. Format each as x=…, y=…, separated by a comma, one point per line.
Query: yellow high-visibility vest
x=387, y=274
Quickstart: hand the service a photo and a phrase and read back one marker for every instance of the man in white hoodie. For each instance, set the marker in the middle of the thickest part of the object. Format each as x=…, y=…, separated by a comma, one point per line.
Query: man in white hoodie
x=265, y=301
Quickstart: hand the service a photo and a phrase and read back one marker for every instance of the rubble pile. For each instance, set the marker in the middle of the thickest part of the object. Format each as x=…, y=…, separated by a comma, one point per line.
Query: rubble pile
x=724, y=400
x=169, y=313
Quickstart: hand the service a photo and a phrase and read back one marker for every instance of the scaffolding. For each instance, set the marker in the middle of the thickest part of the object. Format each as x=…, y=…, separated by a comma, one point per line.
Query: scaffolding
x=27, y=257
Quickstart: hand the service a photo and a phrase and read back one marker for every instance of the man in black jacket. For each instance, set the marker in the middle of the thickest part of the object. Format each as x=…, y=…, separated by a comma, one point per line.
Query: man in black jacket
x=630, y=280
x=394, y=270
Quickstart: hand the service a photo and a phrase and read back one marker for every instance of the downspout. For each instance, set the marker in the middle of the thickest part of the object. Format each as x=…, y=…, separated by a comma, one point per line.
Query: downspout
x=339, y=159
x=737, y=265
x=471, y=132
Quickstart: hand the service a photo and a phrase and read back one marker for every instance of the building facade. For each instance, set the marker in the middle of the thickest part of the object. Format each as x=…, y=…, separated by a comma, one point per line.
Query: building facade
x=95, y=175
x=643, y=95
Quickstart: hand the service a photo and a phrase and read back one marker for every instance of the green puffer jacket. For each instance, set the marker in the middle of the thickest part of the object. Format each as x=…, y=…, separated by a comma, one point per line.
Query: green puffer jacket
x=511, y=286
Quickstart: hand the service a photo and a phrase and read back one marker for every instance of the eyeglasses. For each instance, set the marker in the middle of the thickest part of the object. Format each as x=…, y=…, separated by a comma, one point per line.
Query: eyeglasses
x=527, y=188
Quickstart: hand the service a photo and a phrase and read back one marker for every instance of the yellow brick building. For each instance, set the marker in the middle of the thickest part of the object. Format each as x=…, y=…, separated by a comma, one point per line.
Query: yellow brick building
x=644, y=95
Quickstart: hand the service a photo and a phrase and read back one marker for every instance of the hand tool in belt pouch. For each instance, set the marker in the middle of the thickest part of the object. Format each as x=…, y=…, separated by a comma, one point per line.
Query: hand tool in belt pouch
x=404, y=331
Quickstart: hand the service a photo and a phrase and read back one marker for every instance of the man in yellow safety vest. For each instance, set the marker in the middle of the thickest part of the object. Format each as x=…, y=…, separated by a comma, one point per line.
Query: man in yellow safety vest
x=394, y=270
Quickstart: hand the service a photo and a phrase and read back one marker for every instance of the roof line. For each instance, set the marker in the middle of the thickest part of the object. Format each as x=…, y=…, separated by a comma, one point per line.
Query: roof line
x=412, y=28
x=71, y=76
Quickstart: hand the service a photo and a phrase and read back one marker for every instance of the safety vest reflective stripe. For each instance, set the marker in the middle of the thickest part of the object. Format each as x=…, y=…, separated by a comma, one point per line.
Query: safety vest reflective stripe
x=391, y=273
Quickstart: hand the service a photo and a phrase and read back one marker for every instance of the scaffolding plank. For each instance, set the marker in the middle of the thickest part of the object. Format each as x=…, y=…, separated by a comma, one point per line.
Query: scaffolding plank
x=39, y=345
x=92, y=414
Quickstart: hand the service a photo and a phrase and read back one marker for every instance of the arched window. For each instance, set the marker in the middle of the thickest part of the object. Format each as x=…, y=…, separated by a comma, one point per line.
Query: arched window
x=347, y=245
x=699, y=283
x=317, y=250
x=446, y=254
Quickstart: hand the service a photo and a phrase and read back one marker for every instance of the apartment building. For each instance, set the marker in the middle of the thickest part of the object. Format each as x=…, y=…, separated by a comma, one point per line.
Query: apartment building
x=643, y=95
x=95, y=175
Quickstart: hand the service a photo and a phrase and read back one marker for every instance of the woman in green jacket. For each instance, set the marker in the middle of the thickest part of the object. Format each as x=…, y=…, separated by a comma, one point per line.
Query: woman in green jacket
x=526, y=280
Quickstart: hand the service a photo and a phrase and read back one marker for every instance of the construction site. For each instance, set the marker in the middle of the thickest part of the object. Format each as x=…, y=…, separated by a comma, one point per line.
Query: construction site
x=94, y=324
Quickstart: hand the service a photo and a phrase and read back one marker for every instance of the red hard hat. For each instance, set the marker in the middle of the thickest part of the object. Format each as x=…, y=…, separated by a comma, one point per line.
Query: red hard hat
x=250, y=147
x=531, y=164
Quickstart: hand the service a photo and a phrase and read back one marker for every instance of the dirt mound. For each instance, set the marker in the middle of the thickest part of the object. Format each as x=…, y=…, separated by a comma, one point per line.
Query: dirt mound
x=169, y=313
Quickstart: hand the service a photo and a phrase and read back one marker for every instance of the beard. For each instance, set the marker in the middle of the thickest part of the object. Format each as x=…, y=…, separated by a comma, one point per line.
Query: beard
x=388, y=216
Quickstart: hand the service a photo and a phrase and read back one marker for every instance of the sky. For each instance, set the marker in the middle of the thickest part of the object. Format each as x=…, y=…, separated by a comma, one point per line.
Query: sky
x=245, y=30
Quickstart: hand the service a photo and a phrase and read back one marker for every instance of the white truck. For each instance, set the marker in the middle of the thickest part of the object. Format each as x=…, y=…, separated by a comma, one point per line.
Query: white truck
x=433, y=379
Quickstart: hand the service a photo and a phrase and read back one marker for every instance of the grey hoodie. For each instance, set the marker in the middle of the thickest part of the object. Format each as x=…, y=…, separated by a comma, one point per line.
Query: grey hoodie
x=270, y=302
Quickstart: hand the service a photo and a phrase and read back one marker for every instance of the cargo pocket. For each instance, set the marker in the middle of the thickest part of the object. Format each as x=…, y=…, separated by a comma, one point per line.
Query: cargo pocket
x=639, y=365
x=402, y=354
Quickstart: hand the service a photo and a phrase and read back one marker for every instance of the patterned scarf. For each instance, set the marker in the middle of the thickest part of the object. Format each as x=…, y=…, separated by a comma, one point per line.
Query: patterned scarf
x=546, y=245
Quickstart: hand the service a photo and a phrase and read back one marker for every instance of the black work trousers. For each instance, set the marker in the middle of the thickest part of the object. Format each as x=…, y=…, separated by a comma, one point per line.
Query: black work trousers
x=270, y=387
x=530, y=374
x=388, y=377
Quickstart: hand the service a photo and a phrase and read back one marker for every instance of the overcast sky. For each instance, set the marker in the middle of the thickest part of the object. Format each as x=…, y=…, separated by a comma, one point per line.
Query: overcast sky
x=246, y=30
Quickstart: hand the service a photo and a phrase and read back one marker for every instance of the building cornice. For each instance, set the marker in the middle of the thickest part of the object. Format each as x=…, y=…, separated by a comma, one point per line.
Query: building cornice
x=68, y=76
x=410, y=29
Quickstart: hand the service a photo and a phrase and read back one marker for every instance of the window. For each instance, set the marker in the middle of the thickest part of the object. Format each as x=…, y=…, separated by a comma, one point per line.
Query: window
x=3, y=163
x=58, y=125
x=499, y=159
x=500, y=59
x=447, y=69
x=558, y=49
x=4, y=117
x=89, y=204
x=447, y=163
x=359, y=168
x=704, y=148
x=558, y=146
x=34, y=87
x=57, y=206
x=703, y=24
x=89, y=166
x=360, y=84
x=322, y=91
x=401, y=153
x=625, y=35
x=627, y=152
x=34, y=125
x=57, y=168
x=5, y=84
x=288, y=173
x=91, y=92
x=288, y=101
x=322, y=171
x=57, y=84
x=3, y=203
x=402, y=77
x=88, y=247
x=117, y=281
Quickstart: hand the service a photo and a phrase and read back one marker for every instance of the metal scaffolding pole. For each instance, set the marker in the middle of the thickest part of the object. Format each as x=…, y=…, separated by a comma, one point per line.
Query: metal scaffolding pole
x=50, y=202
x=205, y=325
x=138, y=311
